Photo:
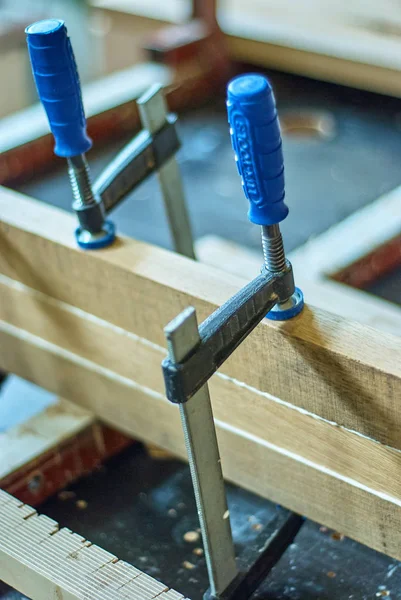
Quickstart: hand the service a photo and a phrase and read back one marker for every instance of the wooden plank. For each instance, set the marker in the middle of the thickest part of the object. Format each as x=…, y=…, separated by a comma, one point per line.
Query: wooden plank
x=26, y=145
x=319, y=290
x=25, y=442
x=42, y=561
x=284, y=420
x=137, y=363
x=358, y=246
x=331, y=475
x=345, y=243
x=175, y=11
x=341, y=371
x=54, y=448
x=93, y=339
x=124, y=86
x=352, y=43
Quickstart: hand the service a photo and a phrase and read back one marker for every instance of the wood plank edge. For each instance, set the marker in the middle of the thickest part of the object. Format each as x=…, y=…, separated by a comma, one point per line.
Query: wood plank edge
x=40, y=560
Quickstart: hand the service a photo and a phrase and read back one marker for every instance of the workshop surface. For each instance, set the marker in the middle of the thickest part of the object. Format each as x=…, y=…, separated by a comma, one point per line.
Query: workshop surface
x=141, y=508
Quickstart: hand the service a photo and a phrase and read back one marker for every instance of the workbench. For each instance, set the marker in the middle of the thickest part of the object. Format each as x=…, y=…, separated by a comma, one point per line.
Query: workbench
x=139, y=507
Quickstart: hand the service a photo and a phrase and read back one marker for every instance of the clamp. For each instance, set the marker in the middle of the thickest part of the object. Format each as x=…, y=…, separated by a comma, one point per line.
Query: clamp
x=195, y=353
x=153, y=149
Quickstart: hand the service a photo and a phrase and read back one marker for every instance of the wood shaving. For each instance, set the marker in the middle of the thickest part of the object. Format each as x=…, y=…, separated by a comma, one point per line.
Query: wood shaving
x=191, y=537
x=66, y=495
x=338, y=537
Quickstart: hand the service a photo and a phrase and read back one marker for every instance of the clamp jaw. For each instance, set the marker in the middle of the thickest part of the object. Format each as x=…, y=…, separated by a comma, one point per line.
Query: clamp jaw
x=152, y=150
x=195, y=353
x=224, y=331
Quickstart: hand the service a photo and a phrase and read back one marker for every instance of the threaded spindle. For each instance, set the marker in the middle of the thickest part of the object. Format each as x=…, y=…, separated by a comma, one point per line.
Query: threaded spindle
x=81, y=185
x=273, y=248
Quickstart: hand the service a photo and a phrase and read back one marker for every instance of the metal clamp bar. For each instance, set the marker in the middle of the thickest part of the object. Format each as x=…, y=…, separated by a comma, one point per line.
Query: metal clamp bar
x=152, y=150
x=136, y=161
x=194, y=355
x=204, y=459
x=224, y=331
x=153, y=110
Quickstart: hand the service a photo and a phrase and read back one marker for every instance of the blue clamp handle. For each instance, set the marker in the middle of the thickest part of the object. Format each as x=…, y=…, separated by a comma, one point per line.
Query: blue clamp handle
x=256, y=139
x=57, y=81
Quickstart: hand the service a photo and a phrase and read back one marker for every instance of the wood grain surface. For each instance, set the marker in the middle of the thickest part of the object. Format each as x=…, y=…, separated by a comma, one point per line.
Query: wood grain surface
x=342, y=371
x=41, y=560
x=305, y=411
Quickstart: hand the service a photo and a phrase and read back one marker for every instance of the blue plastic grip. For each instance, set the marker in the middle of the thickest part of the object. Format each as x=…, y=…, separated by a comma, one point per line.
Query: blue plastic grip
x=256, y=139
x=57, y=82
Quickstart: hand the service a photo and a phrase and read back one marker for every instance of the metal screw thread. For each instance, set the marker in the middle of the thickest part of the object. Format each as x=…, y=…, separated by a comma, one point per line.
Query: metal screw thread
x=81, y=185
x=273, y=248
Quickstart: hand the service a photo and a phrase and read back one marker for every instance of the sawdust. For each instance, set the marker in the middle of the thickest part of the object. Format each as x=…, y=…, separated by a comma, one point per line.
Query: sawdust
x=338, y=537
x=191, y=537
x=66, y=495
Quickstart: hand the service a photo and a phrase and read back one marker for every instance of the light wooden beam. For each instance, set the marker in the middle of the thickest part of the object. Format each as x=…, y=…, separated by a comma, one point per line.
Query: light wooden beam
x=40, y=560
x=31, y=124
x=343, y=247
x=339, y=370
x=353, y=44
x=319, y=290
x=290, y=404
x=30, y=451
x=22, y=444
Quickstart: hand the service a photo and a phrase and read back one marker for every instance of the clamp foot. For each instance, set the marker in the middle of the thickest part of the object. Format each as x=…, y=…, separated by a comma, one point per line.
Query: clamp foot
x=288, y=309
x=93, y=241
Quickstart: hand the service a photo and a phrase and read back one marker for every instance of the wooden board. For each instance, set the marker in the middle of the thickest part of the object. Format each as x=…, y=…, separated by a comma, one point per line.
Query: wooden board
x=26, y=144
x=360, y=249
x=40, y=560
x=25, y=442
x=354, y=43
x=338, y=370
x=52, y=449
x=319, y=290
x=125, y=86
x=290, y=405
x=346, y=243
